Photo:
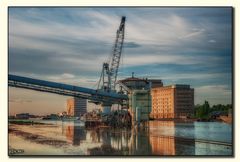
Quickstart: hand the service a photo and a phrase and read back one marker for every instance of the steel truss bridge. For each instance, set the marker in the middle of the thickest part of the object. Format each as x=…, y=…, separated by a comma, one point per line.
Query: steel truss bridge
x=96, y=96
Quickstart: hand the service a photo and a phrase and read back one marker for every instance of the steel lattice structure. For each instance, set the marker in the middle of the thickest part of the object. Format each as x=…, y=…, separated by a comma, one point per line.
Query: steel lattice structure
x=65, y=89
x=117, y=51
x=110, y=70
x=106, y=94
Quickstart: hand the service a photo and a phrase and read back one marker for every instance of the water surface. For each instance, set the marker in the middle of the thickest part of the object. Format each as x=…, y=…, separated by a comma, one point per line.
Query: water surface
x=162, y=138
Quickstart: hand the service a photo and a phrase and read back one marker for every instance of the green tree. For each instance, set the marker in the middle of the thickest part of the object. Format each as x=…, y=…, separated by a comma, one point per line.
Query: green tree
x=206, y=108
x=202, y=111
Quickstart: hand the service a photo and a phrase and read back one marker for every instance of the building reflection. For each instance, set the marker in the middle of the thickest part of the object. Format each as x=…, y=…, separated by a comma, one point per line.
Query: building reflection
x=185, y=146
x=172, y=143
x=95, y=136
x=163, y=145
x=140, y=142
x=112, y=142
x=163, y=138
x=121, y=142
x=75, y=134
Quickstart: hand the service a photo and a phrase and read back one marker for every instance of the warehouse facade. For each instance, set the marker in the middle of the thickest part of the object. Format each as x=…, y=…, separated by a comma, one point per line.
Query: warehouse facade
x=174, y=101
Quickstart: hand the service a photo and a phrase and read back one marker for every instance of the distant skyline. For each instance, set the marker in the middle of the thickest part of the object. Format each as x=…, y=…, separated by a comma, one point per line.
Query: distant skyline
x=68, y=45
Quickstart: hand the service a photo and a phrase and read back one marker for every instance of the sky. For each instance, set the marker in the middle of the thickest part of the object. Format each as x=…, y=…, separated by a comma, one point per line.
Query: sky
x=68, y=45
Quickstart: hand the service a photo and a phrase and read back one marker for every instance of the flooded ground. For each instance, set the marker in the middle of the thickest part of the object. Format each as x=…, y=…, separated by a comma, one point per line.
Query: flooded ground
x=162, y=138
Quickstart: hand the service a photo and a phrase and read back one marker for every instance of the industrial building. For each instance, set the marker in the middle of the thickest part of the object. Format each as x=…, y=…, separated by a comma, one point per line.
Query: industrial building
x=149, y=98
x=76, y=106
x=154, y=83
x=143, y=98
x=139, y=102
x=174, y=101
x=134, y=83
x=140, y=105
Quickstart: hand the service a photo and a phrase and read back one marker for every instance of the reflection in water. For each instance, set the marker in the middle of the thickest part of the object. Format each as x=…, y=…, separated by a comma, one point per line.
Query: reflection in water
x=163, y=145
x=184, y=146
x=139, y=143
x=75, y=134
x=95, y=135
x=165, y=140
x=162, y=138
x=121, y=142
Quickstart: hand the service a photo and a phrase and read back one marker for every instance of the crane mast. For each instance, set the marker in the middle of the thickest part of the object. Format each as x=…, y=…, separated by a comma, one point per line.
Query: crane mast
x=117, y=51
x=110, y=70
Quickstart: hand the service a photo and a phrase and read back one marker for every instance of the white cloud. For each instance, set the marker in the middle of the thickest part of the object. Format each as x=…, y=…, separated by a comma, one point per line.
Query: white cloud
x=166, y=59
x=161, y=30
x=215, y=94
x=194, y=76
x=90, y=82
x=62, y=76
x=212, y=41
x=193, y=34
x=144, y=30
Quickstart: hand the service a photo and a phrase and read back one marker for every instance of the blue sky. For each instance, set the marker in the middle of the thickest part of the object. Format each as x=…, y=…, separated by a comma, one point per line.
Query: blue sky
x=178, y=45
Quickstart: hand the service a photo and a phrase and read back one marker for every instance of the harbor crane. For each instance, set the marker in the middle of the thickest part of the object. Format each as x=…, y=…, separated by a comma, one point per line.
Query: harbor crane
x=110, y=69
x=108, y=78
x=106, y=95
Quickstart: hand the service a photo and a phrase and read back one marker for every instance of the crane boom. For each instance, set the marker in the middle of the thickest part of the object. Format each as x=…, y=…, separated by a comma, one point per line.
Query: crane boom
x=117, y=51
x=110, y=69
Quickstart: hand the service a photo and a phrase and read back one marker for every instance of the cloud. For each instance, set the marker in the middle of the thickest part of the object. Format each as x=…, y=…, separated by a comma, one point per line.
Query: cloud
x=154, y=34
x=197, y=32
x=167, y=59
x=131, y=45
x=216, y=94
x=212, y=41
x=70, y=44
x=195, y=76
x=71, y=79
x=19, y=100
x=63, y=76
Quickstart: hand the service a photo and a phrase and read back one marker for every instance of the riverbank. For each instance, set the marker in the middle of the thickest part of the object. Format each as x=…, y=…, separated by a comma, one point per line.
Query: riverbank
x=26, y=122
x=226, y=119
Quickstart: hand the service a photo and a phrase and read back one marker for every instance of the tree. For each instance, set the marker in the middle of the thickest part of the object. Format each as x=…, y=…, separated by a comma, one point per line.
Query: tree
x=202, y=111
x=206, y=108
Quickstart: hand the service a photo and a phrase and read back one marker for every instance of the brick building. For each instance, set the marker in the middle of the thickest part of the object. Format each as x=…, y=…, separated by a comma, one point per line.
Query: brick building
x=175, y=101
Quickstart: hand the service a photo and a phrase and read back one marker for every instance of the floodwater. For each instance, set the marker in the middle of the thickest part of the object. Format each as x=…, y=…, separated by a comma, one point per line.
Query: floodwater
x=162, y=138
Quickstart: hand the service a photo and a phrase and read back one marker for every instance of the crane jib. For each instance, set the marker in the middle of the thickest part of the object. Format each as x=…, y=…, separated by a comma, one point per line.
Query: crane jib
x=110, y=71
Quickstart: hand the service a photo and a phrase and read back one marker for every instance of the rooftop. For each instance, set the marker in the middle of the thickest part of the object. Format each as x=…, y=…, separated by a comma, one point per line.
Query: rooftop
x=176, y=86
x=132, y=79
